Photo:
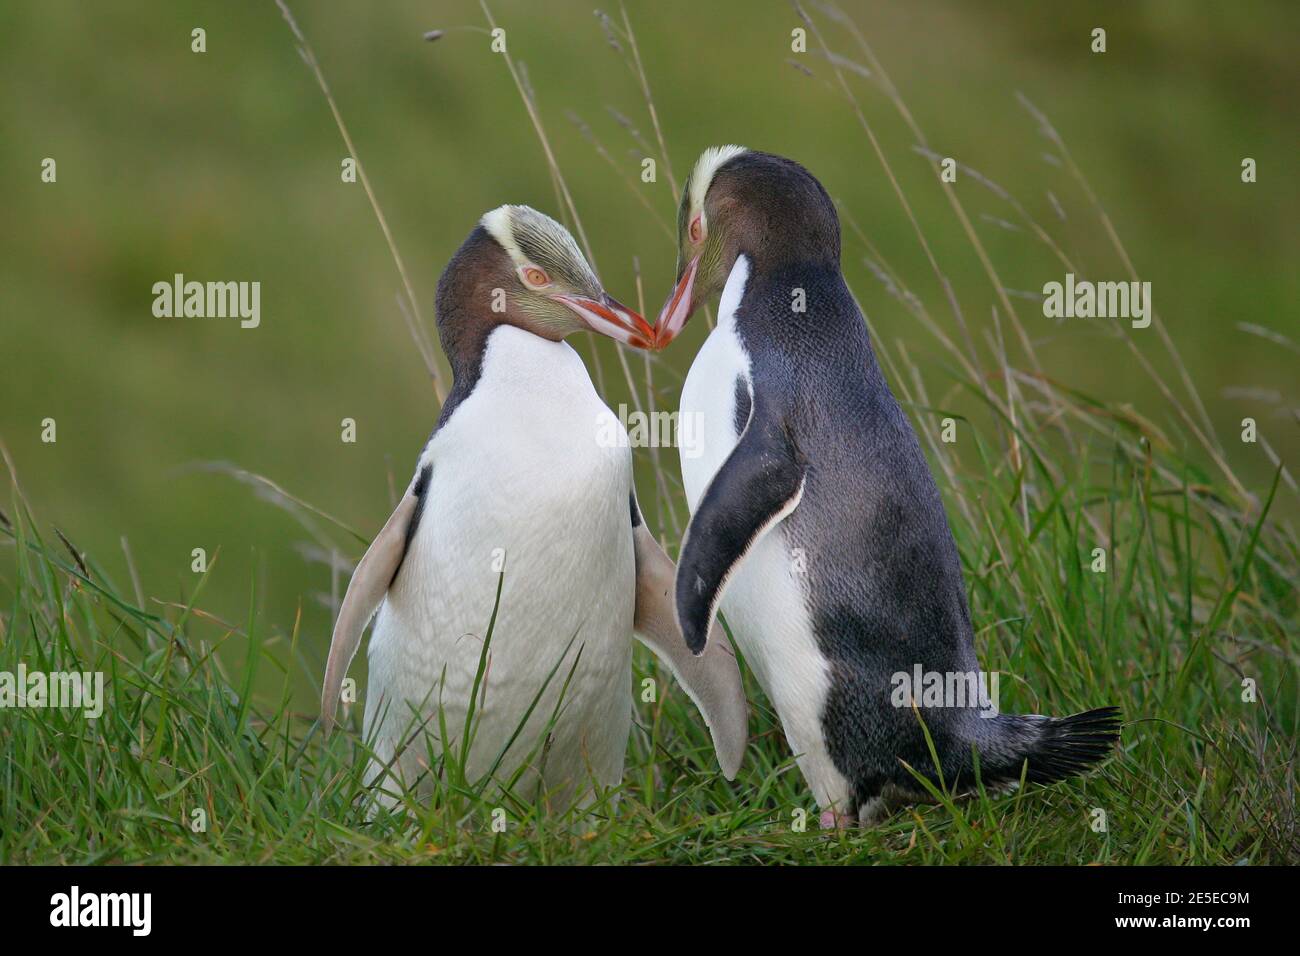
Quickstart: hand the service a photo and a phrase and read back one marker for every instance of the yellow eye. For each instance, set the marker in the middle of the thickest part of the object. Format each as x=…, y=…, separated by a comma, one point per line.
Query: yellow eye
x=535, y=277
x=697, y=229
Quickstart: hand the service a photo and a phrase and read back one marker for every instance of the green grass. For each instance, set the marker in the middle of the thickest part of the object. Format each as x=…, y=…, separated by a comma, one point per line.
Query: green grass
x=1196, y=595
x=1199, y=594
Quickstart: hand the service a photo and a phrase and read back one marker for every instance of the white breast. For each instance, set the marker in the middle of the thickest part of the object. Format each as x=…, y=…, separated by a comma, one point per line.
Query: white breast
x=523, y=475
x=709, y=392
x=765, y=602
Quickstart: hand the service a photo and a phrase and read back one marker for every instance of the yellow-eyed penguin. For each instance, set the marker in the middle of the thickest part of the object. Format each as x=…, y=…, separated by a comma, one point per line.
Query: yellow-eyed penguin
x=520, y=476
x=816, y=523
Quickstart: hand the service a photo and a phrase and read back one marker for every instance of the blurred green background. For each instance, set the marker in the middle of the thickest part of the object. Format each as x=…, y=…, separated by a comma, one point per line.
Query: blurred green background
x=226, y=166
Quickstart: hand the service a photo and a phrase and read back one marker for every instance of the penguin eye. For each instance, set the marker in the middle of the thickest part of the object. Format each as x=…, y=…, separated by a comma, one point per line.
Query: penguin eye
x=697, y=228
x=534, y=277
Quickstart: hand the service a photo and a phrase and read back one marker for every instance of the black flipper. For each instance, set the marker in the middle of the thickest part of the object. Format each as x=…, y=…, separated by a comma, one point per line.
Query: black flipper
x=758, y=485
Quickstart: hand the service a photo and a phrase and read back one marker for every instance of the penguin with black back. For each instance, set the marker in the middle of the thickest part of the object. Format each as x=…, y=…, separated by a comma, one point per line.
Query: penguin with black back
x=519, y=492
x=816, y=524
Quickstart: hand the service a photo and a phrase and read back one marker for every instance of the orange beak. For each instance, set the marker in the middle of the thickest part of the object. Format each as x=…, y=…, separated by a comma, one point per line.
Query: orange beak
x=612, y=318
x=678, y=308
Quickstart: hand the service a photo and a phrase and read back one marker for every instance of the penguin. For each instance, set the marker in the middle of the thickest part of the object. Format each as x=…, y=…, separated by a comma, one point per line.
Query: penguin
x=519, y=488
x=816, y=525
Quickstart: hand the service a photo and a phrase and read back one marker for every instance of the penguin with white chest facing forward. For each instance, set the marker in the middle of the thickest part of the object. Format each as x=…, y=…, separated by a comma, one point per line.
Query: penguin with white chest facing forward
x=519, y=488
x=816, y=525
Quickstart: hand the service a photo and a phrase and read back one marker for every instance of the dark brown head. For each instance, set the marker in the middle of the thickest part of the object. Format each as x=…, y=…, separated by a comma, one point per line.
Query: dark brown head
x=520, y=267
x=738, y=201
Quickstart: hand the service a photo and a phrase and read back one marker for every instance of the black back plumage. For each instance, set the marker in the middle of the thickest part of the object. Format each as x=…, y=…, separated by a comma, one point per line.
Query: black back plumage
x=883, y=574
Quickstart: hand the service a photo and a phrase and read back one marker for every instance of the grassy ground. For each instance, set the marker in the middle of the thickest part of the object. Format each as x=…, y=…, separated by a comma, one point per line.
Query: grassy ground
x=1191, y=628
x=1195, y=597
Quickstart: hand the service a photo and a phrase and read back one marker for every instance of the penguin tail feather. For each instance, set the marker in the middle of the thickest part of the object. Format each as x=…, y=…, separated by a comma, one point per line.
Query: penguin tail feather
x=1055, y=747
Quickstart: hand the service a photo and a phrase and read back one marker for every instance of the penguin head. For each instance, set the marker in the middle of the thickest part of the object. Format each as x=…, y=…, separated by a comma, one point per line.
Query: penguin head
x=520, y=267
x=742, y=201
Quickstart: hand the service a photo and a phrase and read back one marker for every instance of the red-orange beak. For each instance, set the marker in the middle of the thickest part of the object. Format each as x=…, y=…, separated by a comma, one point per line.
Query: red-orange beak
x=678, y=308
x=612, y=318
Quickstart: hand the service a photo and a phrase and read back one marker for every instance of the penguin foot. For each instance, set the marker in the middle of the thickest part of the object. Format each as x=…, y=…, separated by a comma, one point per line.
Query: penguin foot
x=831, y=820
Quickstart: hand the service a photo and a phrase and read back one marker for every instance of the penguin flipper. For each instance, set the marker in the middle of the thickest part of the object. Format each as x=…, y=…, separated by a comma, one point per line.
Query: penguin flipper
x=711, y=679
x=367, y=588
x=760, y=483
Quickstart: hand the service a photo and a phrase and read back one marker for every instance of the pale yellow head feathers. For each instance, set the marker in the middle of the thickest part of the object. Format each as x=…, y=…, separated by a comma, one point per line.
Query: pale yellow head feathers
x=702, y=175
x=530, y=237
